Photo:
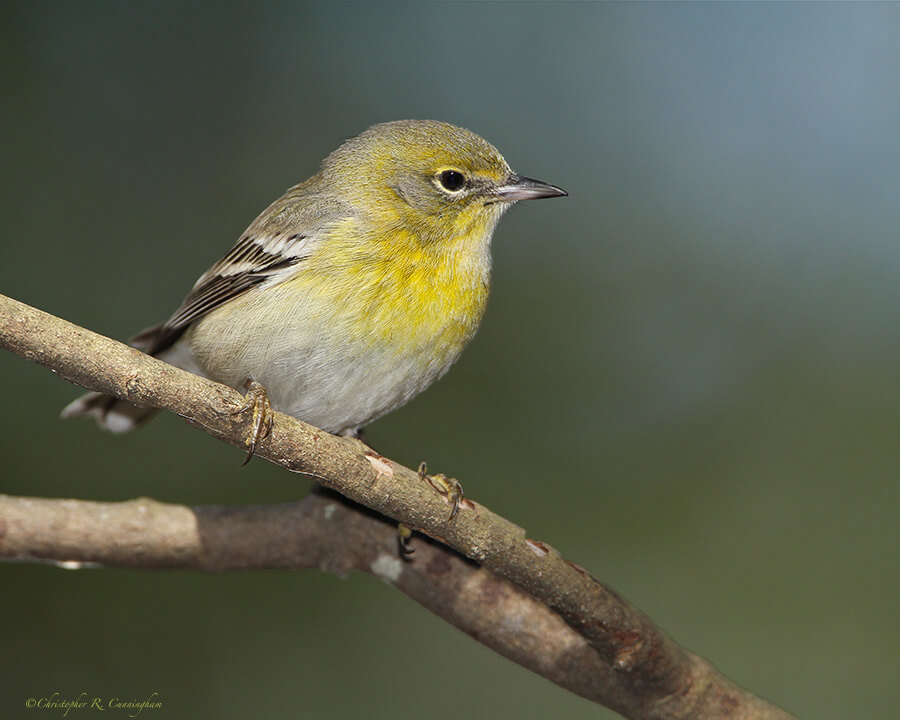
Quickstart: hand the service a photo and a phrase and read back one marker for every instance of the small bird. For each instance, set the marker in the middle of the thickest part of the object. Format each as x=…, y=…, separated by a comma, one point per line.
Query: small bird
x=353, y=291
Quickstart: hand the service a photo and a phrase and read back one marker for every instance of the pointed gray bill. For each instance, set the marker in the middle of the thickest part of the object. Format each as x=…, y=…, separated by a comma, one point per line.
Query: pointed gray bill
x=523, y=188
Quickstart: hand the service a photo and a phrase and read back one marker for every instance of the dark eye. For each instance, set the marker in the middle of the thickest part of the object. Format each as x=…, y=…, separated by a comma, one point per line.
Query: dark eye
x=452, y=180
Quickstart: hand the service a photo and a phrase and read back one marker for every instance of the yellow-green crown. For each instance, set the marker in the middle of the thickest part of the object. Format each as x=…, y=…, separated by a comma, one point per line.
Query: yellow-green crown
x=419, y=146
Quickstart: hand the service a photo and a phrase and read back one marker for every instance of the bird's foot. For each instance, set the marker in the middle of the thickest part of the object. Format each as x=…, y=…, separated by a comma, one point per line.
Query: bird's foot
x=403, y=536
x=448, y=487
x=257, y=400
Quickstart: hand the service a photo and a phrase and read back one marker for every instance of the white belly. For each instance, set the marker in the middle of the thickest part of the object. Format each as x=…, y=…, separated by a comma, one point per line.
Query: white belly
x=340, y=394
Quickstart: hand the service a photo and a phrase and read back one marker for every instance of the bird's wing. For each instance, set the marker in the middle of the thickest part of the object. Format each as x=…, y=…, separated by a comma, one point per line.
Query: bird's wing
x=252, y=261
x=267, y=253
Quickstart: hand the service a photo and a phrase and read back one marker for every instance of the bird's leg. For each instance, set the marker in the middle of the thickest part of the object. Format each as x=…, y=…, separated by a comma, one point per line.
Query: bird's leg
x=257, y=400
x=448, y=487
x=356, y=434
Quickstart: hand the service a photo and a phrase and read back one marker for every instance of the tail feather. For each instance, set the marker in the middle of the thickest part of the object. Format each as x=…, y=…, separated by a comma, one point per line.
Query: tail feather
x=117, y=416
x=121, y=416
x=111, y=413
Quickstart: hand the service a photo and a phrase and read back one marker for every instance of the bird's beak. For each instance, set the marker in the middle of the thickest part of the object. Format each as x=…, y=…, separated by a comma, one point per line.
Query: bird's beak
x=523, y=188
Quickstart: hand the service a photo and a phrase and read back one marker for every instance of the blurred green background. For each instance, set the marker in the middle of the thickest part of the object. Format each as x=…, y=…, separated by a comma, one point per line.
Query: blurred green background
x=687, y=378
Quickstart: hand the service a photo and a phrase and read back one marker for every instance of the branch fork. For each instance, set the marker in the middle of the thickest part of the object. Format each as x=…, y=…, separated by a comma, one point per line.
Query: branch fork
x=576, y=631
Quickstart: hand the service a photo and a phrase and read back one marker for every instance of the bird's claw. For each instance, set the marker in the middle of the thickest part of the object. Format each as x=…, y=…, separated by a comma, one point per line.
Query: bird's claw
x=258, y=401
x=448, y=487
x=403, y=536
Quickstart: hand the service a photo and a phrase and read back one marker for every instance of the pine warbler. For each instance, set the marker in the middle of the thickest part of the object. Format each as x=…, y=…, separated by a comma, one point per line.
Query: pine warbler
x=353, y=291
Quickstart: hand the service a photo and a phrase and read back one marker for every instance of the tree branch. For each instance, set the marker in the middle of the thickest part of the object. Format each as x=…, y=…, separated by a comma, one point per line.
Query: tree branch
x=634, y=669
x=322, y=531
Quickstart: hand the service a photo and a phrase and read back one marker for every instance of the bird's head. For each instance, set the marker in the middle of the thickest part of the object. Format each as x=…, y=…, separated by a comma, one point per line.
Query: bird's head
x=432, y=178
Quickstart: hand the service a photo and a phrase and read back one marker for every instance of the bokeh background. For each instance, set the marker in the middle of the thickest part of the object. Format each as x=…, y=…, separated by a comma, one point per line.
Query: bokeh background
x=687, y=378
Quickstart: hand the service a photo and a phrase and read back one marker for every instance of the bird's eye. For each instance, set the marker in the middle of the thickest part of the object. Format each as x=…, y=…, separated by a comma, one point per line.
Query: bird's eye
x=452, y=180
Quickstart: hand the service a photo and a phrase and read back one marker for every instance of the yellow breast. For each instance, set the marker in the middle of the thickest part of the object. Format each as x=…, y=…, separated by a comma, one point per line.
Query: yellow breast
x=401, y=293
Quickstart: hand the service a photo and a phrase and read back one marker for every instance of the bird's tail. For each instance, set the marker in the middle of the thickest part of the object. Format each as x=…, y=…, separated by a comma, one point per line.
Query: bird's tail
x=117, y=416
x=111, y=413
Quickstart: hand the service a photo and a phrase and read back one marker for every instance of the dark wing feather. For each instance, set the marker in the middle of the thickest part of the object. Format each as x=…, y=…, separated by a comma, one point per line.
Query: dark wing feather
x=249, y=263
